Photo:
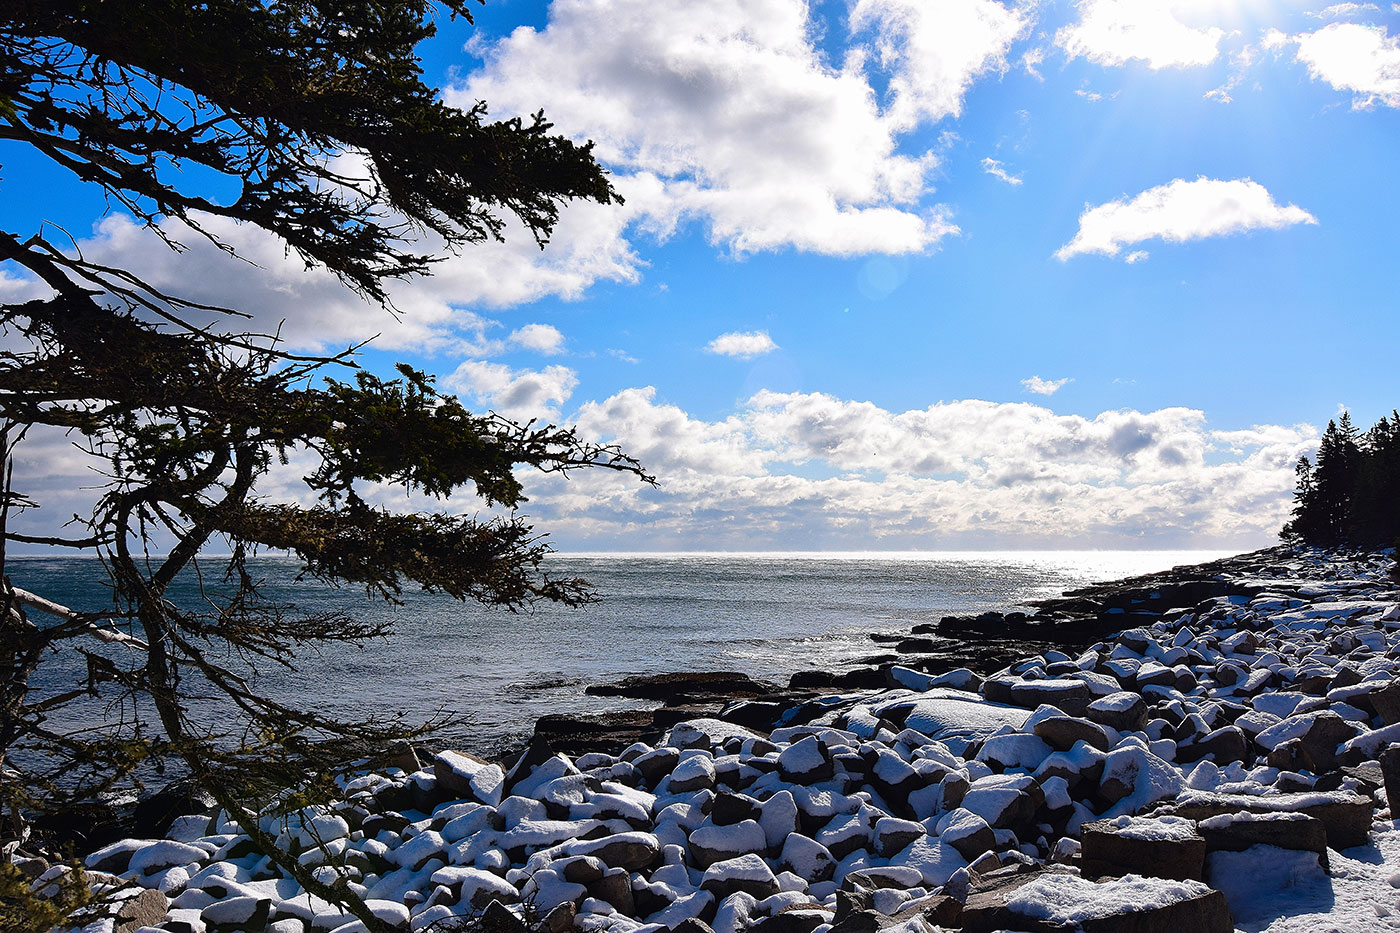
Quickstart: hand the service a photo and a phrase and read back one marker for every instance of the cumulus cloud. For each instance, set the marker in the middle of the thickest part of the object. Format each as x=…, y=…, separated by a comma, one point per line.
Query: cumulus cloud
x=847, y=474
x=743, y=345
x=542, y=338
x=965, y=473
x=934, y=51
x=1180, y=211
x=1038, y=386
x=1352, y=57
x=737, y=120
x=310, y=309
x=1115, y=32
x=520, y=394
x=997, y=170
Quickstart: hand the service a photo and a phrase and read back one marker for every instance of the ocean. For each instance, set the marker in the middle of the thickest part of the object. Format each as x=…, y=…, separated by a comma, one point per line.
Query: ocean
x=495, y=672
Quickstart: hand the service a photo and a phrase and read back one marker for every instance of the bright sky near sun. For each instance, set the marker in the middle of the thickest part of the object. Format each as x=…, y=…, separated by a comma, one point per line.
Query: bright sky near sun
x=897, y=273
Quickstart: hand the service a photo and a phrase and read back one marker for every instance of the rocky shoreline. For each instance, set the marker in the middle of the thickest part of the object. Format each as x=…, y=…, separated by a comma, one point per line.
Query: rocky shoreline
x=1185, y=750
x=982, y=643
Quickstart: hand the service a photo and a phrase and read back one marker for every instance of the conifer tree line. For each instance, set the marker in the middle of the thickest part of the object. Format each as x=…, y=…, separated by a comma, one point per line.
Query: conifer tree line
x=1351, y=496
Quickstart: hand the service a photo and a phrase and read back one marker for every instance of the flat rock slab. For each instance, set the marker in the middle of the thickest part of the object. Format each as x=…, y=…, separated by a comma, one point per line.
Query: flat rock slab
x=1168, y=847
x=1345, y=816
x=1235, y=832
x=708, y=684
x=943, y=713
x=1055, y=902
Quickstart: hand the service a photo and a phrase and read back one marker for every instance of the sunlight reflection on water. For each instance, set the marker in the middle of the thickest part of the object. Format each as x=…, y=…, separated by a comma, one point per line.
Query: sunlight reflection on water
x=767, y=614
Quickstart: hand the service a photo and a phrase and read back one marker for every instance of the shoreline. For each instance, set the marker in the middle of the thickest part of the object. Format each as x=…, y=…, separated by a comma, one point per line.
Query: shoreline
x=1160, y=776
x=982, y=643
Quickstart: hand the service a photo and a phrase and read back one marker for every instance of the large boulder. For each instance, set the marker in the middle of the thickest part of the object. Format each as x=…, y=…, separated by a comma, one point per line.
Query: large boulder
x=1236, y=832
x=1166, y=847
x=1055, y=902
x=1345, y=816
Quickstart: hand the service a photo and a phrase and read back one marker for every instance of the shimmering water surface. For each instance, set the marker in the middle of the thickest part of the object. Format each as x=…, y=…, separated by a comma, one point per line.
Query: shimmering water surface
x=769, y=615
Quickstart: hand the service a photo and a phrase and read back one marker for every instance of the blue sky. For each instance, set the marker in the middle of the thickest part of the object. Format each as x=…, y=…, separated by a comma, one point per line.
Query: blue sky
x=903, y=274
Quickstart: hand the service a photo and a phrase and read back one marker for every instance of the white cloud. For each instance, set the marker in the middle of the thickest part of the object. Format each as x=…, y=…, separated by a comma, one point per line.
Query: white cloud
x=1039, y=386
x=1136, y=256
x=737, y=120
x=836, y=473
x=1338, y=10
x=312, y=310
x=1354, y=57
x=542, y=338
x=846, y=474
x=996, y=170
x=1031, y=61
x=934, y=51
x=520, y=394
x=1180, y=211
x=745, y=346
x=1094, y=97
x=1115, y=32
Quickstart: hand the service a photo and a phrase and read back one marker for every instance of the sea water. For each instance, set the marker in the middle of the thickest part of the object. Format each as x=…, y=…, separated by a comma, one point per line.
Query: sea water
x=495, y=672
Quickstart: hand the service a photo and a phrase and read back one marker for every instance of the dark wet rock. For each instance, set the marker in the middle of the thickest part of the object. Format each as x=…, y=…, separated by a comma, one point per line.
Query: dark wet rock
x=577, y=734
x=82, y=827
x=755, y=714
x=859, y=678
x=681, y=687
x=154, y=815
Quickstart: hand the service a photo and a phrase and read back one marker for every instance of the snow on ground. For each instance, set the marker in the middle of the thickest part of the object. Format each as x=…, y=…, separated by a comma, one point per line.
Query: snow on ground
x=1274, y=895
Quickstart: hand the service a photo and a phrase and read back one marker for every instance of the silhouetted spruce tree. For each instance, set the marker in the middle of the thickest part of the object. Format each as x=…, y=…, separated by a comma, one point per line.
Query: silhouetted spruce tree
x=1351, y=497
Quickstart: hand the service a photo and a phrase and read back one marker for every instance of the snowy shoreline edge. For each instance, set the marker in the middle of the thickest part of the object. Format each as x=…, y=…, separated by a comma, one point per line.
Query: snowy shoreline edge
x=1240, y=719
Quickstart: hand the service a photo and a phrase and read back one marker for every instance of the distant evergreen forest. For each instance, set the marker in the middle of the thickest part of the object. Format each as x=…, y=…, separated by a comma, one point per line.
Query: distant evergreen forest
x=1351, y=496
